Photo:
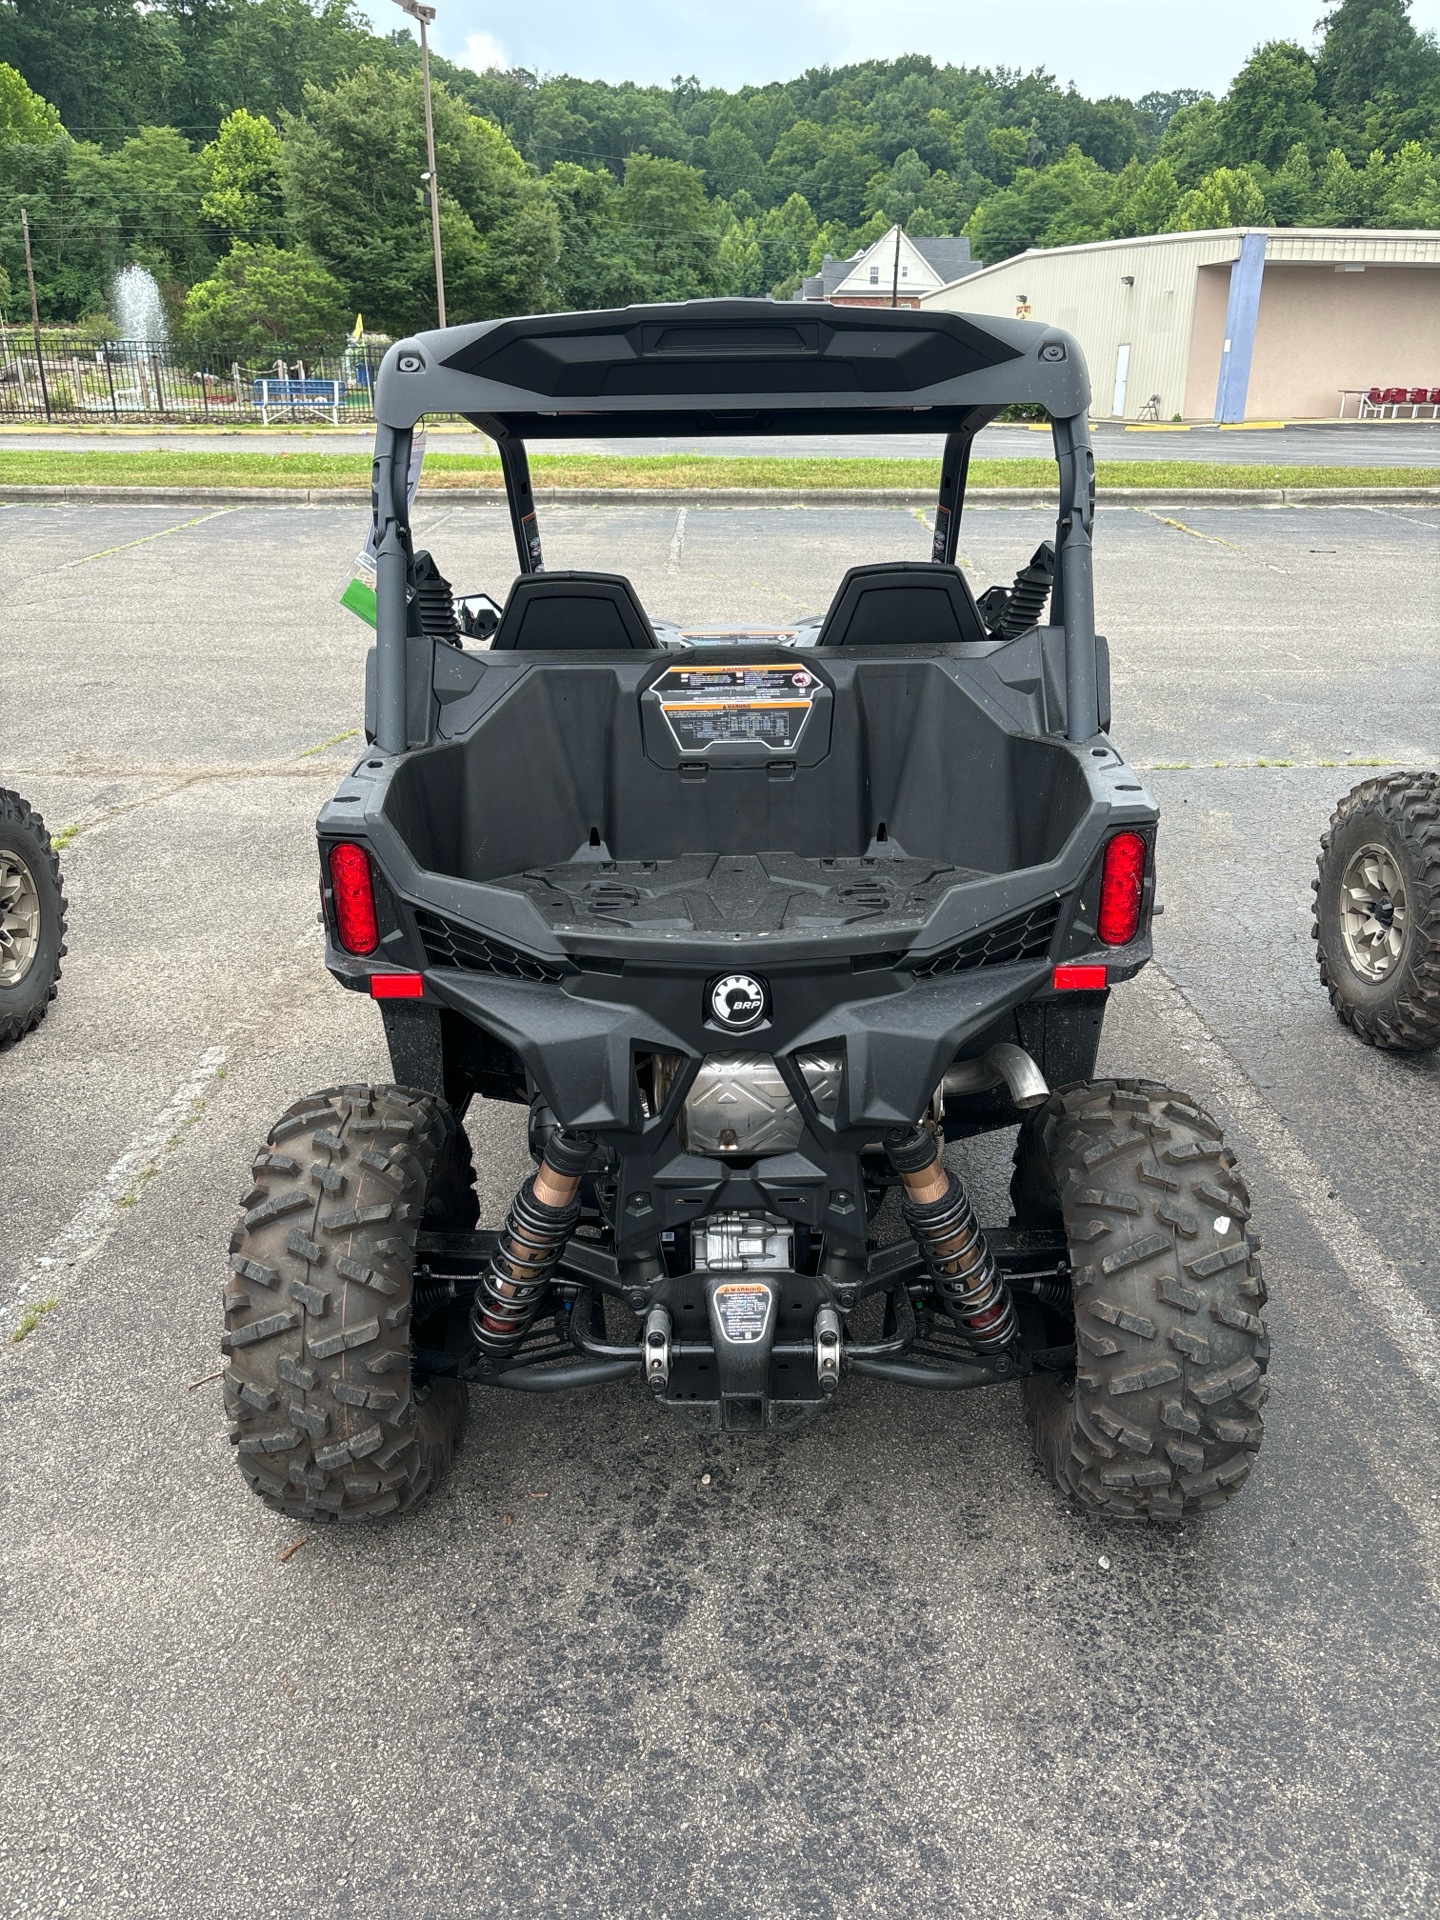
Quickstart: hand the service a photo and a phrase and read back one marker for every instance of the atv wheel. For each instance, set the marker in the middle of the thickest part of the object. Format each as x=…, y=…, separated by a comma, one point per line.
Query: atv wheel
x=32, y=918
x=1162, y=1415
x=317, y=1308
x=1377, y=910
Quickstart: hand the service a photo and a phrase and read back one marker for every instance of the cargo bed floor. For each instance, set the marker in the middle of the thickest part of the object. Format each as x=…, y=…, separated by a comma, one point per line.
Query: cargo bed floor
x=738, y=893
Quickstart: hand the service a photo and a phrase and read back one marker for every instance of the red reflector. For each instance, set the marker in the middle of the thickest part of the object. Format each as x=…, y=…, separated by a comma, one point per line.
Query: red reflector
x=1122, y=884
x=398, y=986
x=354, y=899
x=1082, y=977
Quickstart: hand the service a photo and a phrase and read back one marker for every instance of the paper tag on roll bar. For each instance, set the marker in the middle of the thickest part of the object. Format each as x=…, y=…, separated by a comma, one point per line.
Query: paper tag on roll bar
x=358, y=593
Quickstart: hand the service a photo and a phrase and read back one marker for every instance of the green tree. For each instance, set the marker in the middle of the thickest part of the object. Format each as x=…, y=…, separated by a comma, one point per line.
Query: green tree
x=352, y=165
x=1291, y=190
x=1271, y=105
x=829, y=166
x=1371, y=49
x=153, y=183
x=742, y=265
x=1194, y=142
x=1013, y=148
x=1228, y=197
x=1412, y=197
x=24, y=115
x=240, y=174
x=672, y=231
x=732, y=162
x=593, y=267
x=786, y=235
x=1057, y=206
x=1339, y=197
x=263, y=297
x=900, y=188
x=1149, y=206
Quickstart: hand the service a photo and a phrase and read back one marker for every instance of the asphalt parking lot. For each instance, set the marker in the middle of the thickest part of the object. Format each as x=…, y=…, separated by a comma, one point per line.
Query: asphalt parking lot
x=613, y=1669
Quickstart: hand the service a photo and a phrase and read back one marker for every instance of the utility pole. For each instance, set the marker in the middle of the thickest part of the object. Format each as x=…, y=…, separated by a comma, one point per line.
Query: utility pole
x=895, y=281
x=425, y=15
x=35, y=310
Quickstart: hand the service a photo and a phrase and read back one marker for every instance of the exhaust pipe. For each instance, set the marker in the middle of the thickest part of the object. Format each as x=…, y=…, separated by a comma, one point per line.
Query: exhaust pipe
x=1004, y=1064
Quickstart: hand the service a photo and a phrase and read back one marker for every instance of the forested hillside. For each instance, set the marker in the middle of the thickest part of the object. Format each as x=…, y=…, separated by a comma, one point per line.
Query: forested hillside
x=263, y=159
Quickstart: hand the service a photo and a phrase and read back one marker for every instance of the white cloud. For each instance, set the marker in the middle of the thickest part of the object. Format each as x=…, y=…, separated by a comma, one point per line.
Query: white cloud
x=483, y=51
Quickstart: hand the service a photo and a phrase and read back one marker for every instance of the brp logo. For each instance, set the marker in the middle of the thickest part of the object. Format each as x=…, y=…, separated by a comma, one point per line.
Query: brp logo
x=738, y=1002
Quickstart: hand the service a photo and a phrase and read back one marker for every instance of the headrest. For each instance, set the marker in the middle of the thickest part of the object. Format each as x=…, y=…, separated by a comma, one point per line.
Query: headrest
x=572, y=611
x=904, y=603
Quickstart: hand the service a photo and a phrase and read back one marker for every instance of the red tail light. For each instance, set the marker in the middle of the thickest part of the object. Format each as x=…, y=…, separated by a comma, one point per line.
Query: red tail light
x=354, y=894
x=1122, y=885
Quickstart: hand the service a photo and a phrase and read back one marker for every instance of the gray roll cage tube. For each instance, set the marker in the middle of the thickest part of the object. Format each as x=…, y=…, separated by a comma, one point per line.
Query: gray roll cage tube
x=1040, y=365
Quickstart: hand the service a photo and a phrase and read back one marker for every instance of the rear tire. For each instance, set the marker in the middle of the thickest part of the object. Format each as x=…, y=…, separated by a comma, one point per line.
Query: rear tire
x=1377, y=911
x=32, y=918
x=1161, y=1417
x=328, y=1423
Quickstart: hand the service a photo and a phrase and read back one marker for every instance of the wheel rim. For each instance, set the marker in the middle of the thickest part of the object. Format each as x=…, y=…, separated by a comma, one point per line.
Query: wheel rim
x=19, y=918
x=1374, y=913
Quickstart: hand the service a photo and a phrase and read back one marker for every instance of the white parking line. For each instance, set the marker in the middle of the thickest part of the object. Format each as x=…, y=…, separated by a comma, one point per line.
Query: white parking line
x=100, y=1212
x=1411, y=1324
x=677, y=542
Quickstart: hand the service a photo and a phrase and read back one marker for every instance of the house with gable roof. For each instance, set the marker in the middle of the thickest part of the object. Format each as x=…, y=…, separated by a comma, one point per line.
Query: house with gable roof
x=869, y=278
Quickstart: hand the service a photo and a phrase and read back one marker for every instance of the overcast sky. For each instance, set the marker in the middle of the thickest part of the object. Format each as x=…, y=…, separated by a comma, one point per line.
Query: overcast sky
x=1104, y=46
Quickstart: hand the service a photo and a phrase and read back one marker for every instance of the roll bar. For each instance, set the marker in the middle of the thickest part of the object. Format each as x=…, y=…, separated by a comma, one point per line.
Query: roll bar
x=702, y=367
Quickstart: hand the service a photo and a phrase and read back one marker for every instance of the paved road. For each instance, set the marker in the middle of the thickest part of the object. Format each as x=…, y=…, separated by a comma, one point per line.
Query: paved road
x=877, y=1667
x=1380, y=443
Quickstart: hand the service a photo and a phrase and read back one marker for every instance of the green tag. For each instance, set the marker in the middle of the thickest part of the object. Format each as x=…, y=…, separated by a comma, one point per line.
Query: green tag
x=359, y=597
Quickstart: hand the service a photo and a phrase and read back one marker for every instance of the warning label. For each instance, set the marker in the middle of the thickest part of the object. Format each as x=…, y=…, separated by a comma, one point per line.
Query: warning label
x=736, y=702
x=743, y=1308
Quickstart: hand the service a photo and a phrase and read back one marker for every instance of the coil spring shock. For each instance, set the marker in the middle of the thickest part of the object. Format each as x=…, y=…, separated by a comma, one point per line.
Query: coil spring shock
x=542, y=1217
x=957, y=1258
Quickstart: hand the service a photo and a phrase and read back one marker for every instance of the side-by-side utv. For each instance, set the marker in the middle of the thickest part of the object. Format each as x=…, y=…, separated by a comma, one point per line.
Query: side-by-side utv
x=746, y=925
x=32, y=918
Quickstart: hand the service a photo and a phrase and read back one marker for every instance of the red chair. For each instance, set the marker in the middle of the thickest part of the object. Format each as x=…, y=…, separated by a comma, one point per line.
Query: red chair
x=1370, y=402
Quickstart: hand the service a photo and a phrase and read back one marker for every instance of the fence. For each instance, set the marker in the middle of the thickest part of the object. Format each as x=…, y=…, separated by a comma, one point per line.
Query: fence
x=74, y=381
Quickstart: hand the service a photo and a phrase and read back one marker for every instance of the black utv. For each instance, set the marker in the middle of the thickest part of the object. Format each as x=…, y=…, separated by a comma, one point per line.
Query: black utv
x=747, y=925
x=32, y=918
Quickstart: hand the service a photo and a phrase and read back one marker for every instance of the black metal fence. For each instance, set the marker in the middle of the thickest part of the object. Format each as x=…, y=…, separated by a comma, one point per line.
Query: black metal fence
x=78, y=382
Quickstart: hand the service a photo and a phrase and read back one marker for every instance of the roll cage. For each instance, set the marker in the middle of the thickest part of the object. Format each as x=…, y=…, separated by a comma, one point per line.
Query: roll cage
x=716, y=367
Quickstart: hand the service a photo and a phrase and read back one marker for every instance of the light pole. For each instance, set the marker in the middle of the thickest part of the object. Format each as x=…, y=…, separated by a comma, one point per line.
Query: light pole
x=424, y=15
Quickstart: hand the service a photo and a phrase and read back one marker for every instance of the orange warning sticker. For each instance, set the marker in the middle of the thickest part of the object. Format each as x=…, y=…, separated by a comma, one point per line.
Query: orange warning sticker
x=743, y=1309
x=734, y=701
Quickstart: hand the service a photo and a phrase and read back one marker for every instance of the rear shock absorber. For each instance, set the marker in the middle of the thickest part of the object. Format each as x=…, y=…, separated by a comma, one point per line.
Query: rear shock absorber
x=951, y=1242
x=542, y=1217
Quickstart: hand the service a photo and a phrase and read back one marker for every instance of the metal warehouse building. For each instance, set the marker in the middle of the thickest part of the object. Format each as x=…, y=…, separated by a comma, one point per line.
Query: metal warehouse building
x=1239, y=324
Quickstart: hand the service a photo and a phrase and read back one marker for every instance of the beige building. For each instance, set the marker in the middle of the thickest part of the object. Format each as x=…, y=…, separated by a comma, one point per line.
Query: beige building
x=1240, y=324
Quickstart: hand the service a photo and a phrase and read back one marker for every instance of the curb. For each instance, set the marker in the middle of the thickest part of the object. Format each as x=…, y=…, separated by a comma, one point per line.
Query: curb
x=721, y=496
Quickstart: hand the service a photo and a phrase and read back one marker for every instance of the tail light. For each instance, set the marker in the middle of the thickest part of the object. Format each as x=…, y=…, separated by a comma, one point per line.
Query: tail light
x=1122, y=886
x=354, y=895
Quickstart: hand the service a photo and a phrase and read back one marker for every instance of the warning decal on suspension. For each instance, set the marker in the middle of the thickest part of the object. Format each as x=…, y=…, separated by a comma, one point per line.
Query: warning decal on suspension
x=743, y=1308
x=703, y=704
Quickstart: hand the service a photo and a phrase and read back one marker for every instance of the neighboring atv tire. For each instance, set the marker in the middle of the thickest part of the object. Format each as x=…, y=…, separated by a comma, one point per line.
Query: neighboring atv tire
x=32, y=918
x=1377, y=910
x=1162, y=1416
x=318, y=1306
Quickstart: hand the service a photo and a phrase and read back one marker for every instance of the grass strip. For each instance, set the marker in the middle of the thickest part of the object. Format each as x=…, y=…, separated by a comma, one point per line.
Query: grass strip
x=181, y=469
